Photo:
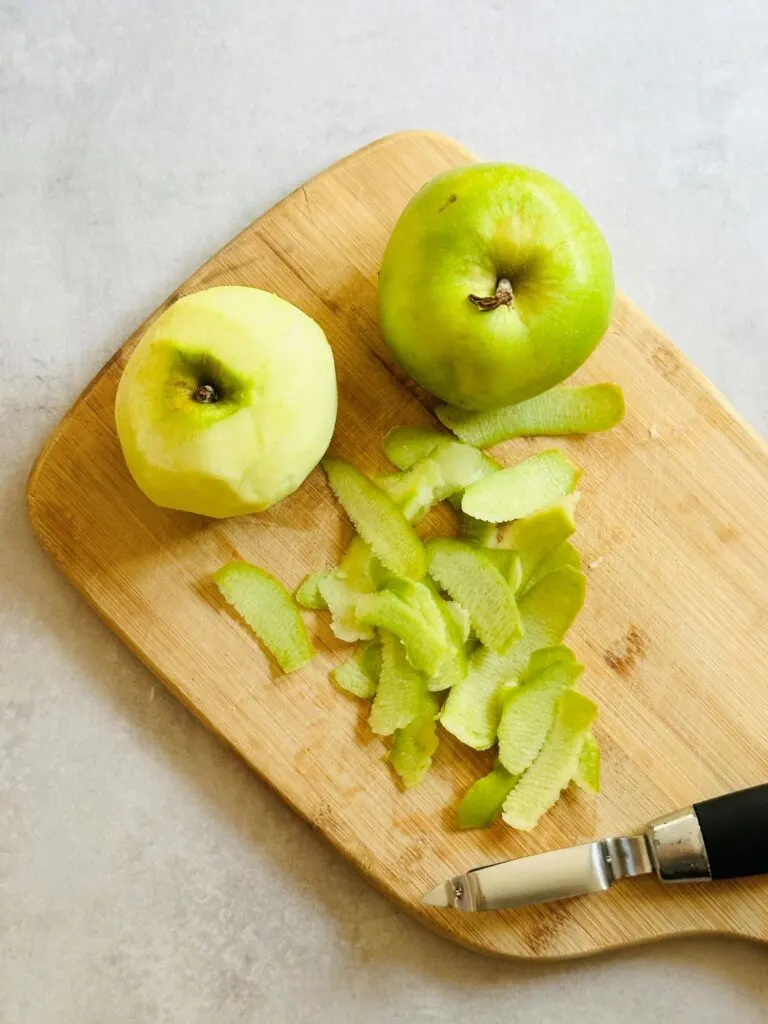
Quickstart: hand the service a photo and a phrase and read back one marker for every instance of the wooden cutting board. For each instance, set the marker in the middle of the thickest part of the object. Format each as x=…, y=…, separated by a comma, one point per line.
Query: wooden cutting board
x=674, y=633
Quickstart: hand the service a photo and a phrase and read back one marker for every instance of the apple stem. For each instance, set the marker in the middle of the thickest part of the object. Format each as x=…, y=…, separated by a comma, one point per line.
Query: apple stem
x=206, y=394
x=503, y=297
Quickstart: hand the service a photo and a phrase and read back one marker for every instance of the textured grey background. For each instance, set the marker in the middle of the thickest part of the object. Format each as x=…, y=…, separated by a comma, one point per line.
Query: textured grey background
x=145, y=876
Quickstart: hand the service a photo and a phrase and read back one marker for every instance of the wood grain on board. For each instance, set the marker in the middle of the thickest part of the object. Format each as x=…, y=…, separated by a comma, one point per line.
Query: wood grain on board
x=674, y=634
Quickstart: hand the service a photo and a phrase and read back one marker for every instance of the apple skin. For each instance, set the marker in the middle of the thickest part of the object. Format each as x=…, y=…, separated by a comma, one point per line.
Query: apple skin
x=460, y=235
x=271, y=368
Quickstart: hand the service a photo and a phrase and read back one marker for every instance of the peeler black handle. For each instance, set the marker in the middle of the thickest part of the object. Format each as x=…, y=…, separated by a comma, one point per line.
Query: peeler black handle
x=735, y=832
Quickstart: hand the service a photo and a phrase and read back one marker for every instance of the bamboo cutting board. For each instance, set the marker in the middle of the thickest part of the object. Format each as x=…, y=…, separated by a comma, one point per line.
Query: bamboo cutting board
x=674, y=633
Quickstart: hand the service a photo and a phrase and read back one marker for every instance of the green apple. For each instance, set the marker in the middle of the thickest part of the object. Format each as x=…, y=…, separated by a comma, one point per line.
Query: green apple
x=227, y=403
x=495, y=285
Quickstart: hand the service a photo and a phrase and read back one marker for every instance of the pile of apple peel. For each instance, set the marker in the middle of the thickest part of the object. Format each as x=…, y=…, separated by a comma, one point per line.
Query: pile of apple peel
x=462, y=633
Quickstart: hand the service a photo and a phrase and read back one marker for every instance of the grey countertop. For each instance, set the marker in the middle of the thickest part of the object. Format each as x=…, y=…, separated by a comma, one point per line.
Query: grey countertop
x=145, y=876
